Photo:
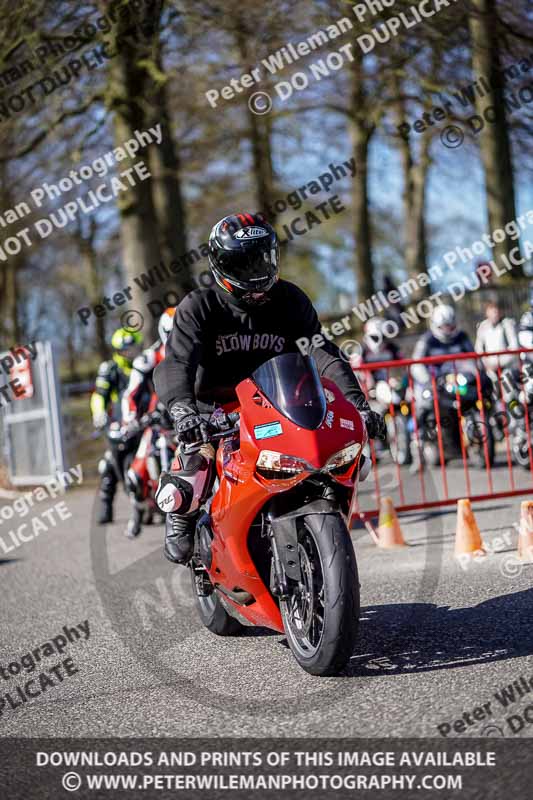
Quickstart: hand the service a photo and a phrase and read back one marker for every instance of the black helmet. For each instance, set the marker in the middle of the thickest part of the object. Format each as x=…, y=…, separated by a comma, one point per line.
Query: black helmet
x=244, y=256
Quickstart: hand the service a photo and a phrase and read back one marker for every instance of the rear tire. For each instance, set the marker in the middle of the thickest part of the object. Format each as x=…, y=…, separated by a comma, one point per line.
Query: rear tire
x=213, y=614
x=322, y=628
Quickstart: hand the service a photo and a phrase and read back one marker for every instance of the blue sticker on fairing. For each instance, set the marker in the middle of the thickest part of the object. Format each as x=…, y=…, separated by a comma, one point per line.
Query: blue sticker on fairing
x=268, y=431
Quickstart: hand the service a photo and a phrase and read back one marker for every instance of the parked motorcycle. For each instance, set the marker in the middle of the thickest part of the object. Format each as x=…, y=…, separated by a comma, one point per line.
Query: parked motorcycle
x=457, y=391
x=272, y=548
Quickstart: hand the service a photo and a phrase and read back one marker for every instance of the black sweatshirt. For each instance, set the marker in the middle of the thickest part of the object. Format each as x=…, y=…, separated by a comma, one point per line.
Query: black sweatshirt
x=215, y=344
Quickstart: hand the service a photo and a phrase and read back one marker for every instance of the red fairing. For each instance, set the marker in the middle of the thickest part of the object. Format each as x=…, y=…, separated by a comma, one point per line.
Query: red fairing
x=243, y=492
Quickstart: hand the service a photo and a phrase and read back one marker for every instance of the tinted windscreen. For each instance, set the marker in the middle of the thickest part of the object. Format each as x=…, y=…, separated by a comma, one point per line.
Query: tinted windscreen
x=292, y=384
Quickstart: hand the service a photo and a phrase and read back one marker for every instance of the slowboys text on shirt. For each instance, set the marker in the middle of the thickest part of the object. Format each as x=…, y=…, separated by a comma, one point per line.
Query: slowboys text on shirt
x=245, y=342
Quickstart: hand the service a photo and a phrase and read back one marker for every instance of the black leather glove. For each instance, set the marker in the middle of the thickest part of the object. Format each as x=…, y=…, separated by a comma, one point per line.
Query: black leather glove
x=189, y=425
x=375, y=425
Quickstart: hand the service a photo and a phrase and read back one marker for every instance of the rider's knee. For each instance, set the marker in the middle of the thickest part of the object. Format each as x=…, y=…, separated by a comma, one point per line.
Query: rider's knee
x=187, y=486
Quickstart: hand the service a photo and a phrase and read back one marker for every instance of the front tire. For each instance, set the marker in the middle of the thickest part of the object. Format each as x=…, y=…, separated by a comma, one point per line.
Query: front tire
x=321, y=616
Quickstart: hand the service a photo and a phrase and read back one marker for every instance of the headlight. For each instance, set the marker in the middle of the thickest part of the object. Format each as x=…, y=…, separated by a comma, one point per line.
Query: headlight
x=343, y=457
x=269, y=459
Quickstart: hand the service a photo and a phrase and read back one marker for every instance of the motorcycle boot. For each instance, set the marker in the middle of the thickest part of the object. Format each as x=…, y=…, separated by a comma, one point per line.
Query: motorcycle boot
x=135, y=523
x=180, y=495
x=108, y=488
x=179, y=537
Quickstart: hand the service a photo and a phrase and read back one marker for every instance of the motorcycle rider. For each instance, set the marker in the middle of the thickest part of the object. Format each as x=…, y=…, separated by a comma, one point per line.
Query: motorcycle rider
x=443, y=338
x=219, y=337
x=111, y=381
x=139, y=398
x=139, y=393
x=525, y=339
x=377, y=347
x=496, y=333
x=525, y=327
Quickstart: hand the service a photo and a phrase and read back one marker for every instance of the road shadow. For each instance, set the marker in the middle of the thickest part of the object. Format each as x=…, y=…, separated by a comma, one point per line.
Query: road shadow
x=403, y=638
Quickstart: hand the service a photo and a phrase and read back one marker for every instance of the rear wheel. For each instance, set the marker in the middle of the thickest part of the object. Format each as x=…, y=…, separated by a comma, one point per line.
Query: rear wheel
x=321, y=616
x=212, y=613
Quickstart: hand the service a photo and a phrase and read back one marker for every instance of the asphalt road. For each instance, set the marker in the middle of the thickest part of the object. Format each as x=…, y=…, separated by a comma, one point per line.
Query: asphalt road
x=437, y=639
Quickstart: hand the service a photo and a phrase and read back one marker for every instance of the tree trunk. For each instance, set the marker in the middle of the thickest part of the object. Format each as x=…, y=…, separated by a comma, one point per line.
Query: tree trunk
x=168, y=198
x=360, y=135
x=494, y=137
x=414, y=199
x=259, y=131
x=129, y=84
x=85, y=244
x=10, y=328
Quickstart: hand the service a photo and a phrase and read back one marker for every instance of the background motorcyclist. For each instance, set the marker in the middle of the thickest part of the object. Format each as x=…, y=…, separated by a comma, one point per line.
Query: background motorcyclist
x=220, y=336
x=494, y=334
x=443, y=338
x=139, y=395
x=111, y=381
x=525, y=328
x=525, y=339
x=377, y=347
x=139, y=398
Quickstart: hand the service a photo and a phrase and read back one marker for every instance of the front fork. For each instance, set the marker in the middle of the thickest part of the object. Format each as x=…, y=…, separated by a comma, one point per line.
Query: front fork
x=283, y=534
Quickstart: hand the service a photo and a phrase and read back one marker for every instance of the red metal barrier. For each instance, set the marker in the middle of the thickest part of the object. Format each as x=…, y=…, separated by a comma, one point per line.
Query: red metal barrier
x=469, y=408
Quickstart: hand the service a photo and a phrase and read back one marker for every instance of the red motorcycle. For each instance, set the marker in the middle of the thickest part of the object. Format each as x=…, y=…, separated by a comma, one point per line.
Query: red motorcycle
x=153, y=455
x=272, y=548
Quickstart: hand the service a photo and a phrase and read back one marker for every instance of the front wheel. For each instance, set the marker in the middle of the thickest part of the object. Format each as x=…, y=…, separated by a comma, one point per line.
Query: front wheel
x=321, y=615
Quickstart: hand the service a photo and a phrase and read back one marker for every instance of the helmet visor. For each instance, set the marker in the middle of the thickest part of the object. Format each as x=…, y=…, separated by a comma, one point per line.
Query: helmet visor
x=253, y=271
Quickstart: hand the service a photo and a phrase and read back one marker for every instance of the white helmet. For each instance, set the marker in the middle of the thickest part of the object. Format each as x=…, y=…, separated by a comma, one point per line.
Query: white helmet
x=164, y=326
x=373, y=334
x=443, y=324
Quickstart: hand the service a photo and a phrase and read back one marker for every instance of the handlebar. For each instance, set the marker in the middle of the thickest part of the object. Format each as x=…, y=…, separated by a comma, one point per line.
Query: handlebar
x=216, y=432
x=152, y=419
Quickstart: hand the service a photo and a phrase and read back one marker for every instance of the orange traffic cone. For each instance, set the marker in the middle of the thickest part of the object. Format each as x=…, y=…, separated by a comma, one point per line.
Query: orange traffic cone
x=525, y=532
x=389, y=531
x=467, y=536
